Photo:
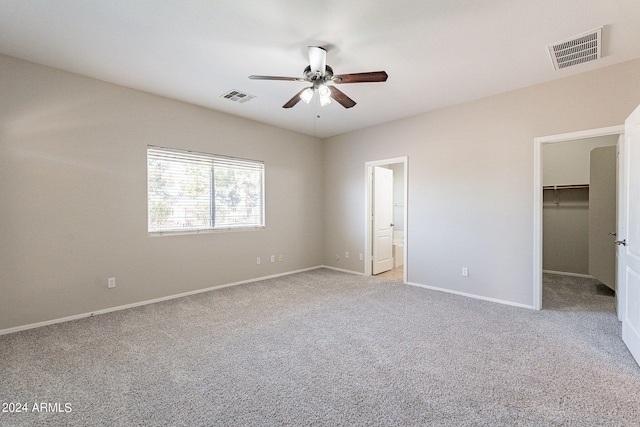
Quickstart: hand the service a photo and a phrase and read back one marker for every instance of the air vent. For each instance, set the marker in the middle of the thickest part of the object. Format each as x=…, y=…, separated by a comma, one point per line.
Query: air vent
x=237, y=96
x=577, y=50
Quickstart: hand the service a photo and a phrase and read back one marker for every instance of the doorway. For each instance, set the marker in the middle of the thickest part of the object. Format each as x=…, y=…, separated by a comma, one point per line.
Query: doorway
x=539, y=197
x=396, y=239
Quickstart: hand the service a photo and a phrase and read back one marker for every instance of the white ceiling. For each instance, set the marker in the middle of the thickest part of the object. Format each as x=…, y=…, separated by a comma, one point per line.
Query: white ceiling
x=437, y=52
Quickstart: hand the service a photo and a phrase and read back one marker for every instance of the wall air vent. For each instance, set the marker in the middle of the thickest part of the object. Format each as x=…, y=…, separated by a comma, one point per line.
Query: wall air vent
x=577, y=50
x=237, y=96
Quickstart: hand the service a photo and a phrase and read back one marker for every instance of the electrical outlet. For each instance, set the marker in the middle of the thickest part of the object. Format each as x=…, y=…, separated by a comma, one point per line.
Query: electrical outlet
x=337, y=257
x=465, y=271
x=346, y=254
x=111, y=283
x=258, y=260
x=361, y=257
x=273, y=258
x=279, y=257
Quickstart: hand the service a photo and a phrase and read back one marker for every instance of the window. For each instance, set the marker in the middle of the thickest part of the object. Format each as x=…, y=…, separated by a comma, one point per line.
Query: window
x=194, y=191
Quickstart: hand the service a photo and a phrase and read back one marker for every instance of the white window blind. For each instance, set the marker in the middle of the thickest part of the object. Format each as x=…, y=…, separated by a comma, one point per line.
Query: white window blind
x=190, y=191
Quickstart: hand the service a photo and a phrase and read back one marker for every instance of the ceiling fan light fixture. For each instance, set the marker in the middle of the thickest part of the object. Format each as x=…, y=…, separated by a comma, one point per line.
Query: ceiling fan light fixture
x=325, y=100
x=306, y=95
x=325, y=95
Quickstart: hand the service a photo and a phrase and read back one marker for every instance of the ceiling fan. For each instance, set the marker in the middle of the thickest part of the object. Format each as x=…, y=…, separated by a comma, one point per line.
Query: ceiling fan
x=318, y=73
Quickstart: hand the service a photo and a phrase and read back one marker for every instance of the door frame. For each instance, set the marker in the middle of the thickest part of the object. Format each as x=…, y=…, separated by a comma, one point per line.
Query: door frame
x=368, y=238
x=537, y=195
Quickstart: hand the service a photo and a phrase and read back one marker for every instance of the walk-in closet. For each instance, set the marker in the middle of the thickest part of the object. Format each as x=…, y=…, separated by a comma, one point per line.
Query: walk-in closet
x=579, y=208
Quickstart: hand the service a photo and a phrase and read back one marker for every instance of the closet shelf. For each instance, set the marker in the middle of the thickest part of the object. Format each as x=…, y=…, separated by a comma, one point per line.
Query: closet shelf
x=566, y=187
x=556, y=194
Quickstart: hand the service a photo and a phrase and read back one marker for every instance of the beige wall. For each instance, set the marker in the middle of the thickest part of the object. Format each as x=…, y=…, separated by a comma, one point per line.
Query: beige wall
x=470, y=179
x=565, y=236
x=73, y=197
x=565, y=163
x=73, y=193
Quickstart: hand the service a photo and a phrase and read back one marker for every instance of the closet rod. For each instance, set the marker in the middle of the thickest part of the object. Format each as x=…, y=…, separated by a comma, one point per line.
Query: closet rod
x=565, y=187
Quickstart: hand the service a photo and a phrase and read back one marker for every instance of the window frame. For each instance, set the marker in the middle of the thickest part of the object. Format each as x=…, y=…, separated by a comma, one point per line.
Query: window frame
x=225, y=161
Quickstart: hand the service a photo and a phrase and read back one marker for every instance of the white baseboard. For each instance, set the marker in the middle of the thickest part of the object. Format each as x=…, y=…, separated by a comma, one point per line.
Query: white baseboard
x=357, y=273
x=564, y=273
x=151, y=301
x=464, y=294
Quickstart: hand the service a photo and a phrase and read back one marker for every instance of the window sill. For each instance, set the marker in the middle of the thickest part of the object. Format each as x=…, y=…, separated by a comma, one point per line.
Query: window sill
x=203, y=231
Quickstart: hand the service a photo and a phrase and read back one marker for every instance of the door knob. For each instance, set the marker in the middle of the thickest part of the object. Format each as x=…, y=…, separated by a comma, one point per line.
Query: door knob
x=621, y=242
x=391, y=225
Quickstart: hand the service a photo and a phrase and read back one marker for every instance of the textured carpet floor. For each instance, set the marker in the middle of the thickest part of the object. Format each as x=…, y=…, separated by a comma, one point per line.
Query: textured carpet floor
x=328, y=348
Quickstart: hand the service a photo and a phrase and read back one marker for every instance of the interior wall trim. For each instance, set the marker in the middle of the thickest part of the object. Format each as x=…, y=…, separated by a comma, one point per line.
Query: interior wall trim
x=565, y=273
x=343, y=270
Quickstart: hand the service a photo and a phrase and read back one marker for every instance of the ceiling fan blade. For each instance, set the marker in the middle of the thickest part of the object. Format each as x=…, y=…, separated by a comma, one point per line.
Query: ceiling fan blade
x=293, y=79
x=293, y=101
x=370, y=77
x=342, y=99
x=318, y=59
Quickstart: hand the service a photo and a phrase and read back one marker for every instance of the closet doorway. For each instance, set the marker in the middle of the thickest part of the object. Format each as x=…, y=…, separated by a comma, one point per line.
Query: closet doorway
x=575, y=209
x=386, y=224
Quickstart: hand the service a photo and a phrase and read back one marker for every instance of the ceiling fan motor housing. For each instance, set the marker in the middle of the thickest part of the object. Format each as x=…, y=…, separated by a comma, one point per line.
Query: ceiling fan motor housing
x=316, y=77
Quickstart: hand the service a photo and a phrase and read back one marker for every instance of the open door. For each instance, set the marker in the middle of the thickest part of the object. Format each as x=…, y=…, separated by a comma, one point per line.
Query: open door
x=629, y=237
x=382, y=220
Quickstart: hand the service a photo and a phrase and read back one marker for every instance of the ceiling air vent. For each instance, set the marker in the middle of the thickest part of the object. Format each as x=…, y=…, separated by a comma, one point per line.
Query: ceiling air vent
x=577, y=50
x=237, y=96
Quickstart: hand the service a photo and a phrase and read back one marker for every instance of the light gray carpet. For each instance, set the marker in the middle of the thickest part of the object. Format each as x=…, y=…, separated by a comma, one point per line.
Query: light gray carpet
x=328, y=348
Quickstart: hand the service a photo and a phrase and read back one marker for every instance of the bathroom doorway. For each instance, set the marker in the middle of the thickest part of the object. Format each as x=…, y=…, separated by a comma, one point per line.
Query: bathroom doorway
x=386, y=242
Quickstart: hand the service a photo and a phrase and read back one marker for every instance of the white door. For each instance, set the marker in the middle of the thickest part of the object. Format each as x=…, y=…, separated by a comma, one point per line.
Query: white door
x=382, y=220
x=602, y=215
x=629, y=237
x=621, y=222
